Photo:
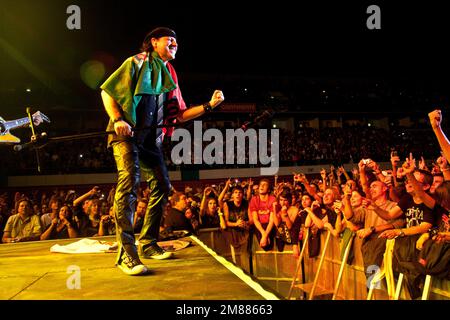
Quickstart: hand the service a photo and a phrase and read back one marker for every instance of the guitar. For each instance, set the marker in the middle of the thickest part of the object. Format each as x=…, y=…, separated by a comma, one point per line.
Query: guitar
x=5, y=126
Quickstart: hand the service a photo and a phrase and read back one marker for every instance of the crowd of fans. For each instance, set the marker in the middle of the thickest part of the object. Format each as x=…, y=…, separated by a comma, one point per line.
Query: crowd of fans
x=409, y=202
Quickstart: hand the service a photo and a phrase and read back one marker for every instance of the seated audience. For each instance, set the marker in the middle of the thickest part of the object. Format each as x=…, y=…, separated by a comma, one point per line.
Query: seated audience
x=23, y=226
x=62, y=227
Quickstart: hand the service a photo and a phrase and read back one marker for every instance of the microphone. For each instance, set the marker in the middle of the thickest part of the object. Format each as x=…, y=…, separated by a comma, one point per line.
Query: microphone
x=33, y=143
x=263, y=116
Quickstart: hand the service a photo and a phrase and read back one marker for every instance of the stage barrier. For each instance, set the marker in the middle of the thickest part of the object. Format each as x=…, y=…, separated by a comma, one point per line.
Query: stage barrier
x=275, y=270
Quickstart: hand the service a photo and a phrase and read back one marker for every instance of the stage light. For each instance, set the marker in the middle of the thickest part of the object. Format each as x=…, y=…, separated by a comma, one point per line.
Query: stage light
x=28, y=90
x=92, y=73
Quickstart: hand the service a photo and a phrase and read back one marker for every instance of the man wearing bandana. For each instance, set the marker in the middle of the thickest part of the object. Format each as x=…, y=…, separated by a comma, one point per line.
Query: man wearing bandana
x=143, y=93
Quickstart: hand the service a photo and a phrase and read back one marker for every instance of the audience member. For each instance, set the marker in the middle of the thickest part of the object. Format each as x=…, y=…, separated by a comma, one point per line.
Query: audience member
x=23, y=226
x=176, y=219
x=139, y=215
x=62, y=227
x=261, y=210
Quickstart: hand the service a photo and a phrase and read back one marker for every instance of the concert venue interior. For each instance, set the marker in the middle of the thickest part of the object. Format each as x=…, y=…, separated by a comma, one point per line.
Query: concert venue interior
x=339, y=90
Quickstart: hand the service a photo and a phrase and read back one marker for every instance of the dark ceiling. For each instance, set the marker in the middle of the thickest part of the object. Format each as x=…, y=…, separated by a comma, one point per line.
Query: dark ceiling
x=217, y=42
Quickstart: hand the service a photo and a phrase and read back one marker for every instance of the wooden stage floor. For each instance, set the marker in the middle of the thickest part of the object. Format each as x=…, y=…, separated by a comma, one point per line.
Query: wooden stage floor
x=29, y=271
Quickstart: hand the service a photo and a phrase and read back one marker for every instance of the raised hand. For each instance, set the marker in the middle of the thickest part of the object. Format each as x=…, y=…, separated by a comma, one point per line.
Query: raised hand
x=400, y=173
x=442, y=163
x=361, y=166
x=216, y=99
x=206, y=190
x=94, y=190
x=435, y=118
x=373, y=165
x=315, y=204
x=338, y=206
x=355, y=173
x=409, y=165
x=395, y=159
x=422, y=164
x=300, y=177
x=388, y=180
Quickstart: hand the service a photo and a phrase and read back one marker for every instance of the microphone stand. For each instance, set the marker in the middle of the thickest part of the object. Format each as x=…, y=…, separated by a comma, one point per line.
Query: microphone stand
x=88, y=135
x=102, y=133
x=34, y=138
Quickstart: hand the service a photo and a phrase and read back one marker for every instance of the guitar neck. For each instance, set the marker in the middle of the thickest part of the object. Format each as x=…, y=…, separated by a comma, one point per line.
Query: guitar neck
x=16, y=123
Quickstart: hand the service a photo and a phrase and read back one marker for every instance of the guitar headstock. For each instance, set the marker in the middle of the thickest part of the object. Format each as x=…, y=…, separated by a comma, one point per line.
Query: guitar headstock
x=39, y=117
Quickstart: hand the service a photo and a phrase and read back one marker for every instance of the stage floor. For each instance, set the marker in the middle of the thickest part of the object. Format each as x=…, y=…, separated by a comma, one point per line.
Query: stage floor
x=30, y=271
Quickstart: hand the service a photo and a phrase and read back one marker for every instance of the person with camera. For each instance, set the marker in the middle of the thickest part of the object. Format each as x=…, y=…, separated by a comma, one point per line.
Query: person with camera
x=107, y=224
x=62, y=227
x=86, y=212
x=419, y=217
x=310, y=188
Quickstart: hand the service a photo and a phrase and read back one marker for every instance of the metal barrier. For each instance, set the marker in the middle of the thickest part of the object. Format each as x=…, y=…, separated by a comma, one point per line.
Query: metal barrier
x=279, y=270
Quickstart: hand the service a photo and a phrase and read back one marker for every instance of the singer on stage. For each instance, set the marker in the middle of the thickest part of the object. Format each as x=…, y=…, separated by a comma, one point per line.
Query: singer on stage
x=144, y=92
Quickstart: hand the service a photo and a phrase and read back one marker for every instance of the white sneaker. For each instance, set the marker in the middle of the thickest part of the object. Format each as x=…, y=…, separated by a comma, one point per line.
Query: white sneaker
x=133, y=271
x=132, y=267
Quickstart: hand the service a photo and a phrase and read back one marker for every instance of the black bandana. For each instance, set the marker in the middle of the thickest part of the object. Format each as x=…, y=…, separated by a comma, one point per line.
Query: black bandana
x=161, y=32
